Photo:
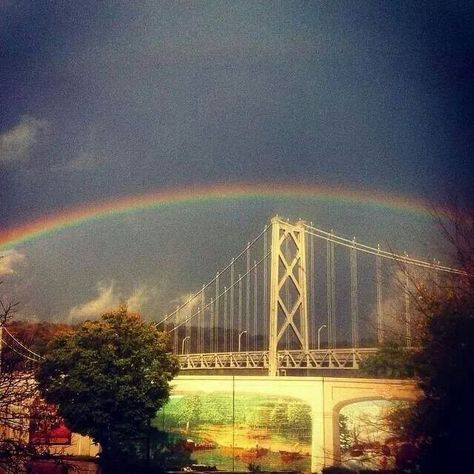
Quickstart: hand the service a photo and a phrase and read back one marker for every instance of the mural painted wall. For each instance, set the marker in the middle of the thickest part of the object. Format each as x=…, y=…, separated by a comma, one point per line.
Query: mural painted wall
x=271, y=422
x=233, y=430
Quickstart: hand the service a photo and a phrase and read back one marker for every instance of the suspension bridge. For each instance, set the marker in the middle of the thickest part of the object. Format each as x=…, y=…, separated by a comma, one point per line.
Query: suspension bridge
x=295, y=300
x=298, y=298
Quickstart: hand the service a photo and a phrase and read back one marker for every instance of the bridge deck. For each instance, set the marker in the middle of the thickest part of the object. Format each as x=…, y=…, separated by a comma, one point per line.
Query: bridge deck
x=345, y=358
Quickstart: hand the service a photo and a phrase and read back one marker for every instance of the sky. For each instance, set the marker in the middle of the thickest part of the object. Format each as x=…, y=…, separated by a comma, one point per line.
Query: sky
x=100, y=101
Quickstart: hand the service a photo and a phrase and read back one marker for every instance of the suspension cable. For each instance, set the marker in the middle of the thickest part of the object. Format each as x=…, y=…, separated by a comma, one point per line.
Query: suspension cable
x=19, y=343
x=19, y=353
x=321, y=234
x=241, y=277
x=248, y=246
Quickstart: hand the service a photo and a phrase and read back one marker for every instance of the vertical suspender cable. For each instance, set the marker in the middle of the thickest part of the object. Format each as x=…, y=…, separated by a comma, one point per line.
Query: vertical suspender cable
x=328, y=291
x=216, y=316
x=378, y=269
x=212, y=342
x=198, y=331
x=354, y=298
x=407, y=309
x=247, y=292
x=265, y=315
x=255, y=301
x=203, y=318
x=232, y=322
x=312, y=299
x=240, y=303
x=333, y=296
x=187, y=324
x=175, y=333
x=225, y=319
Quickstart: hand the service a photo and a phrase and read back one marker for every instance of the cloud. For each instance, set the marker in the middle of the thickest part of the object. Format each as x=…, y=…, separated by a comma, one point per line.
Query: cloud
x=17, y=143
x=139, y=298
x=9, y=260
x=108, y=298
x=191, y=303
x=84, y=161
x=104, y=301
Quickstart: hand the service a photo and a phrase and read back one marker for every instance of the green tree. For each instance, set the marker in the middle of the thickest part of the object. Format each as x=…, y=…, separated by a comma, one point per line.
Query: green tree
x=108, y=379
x=392, y=360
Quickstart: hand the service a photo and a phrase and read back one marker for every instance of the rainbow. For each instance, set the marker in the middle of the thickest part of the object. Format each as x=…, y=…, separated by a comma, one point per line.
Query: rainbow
x=75, y=216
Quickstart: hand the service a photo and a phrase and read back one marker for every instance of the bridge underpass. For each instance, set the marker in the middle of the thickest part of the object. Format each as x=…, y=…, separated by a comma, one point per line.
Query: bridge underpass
x=326, y=396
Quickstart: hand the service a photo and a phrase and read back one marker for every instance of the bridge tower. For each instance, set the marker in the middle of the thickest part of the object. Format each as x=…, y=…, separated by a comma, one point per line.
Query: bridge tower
x=288, y=294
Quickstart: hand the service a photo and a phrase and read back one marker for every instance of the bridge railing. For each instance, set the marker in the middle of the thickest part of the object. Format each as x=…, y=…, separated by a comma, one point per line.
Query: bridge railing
x=344, y=358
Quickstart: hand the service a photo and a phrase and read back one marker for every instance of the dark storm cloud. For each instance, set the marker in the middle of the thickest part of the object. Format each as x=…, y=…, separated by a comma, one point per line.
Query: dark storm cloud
x=145, y=94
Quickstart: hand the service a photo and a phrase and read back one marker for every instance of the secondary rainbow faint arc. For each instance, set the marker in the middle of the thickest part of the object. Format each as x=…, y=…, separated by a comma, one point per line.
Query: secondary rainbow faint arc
x=77, y=215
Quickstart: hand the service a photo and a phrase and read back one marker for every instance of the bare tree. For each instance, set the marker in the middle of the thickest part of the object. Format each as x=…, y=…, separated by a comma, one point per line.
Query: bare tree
x=17, y=389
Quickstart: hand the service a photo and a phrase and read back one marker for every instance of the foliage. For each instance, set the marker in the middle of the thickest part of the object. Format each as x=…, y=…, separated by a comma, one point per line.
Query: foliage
x=439, y=425
x=37, y=334
x=109, y=378
x=441, y=421
x=392, y=360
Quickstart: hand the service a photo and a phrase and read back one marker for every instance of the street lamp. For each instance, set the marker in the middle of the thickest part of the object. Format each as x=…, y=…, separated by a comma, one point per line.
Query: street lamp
x=182, y=343
x=319, y=335
x=240, y=336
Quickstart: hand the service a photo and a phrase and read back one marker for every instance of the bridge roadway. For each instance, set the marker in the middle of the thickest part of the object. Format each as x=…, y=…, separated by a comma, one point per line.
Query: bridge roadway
x=326, y=396
x=344, y=358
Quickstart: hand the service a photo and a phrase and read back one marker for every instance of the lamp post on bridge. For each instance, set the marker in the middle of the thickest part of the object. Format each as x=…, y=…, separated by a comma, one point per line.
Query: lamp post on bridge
x=240, y=337
x=187, y=338
x=319, y=335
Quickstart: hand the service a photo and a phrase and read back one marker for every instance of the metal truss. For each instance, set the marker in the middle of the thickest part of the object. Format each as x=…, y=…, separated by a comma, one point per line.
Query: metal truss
x=224, y=360
x=346, y=358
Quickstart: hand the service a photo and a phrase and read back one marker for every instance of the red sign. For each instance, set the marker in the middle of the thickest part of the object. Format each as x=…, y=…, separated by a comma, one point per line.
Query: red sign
x=46, y=426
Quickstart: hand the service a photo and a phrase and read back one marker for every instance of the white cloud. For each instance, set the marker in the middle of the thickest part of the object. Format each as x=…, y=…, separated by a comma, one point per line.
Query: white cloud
x=109, y=298
x=17, y=142
x=191, y=305
x=104, y=301
x=139, y=298
x=9, y=260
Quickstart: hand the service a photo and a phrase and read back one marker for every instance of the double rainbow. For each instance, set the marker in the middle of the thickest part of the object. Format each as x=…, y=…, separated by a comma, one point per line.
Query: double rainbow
x=182, y=196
